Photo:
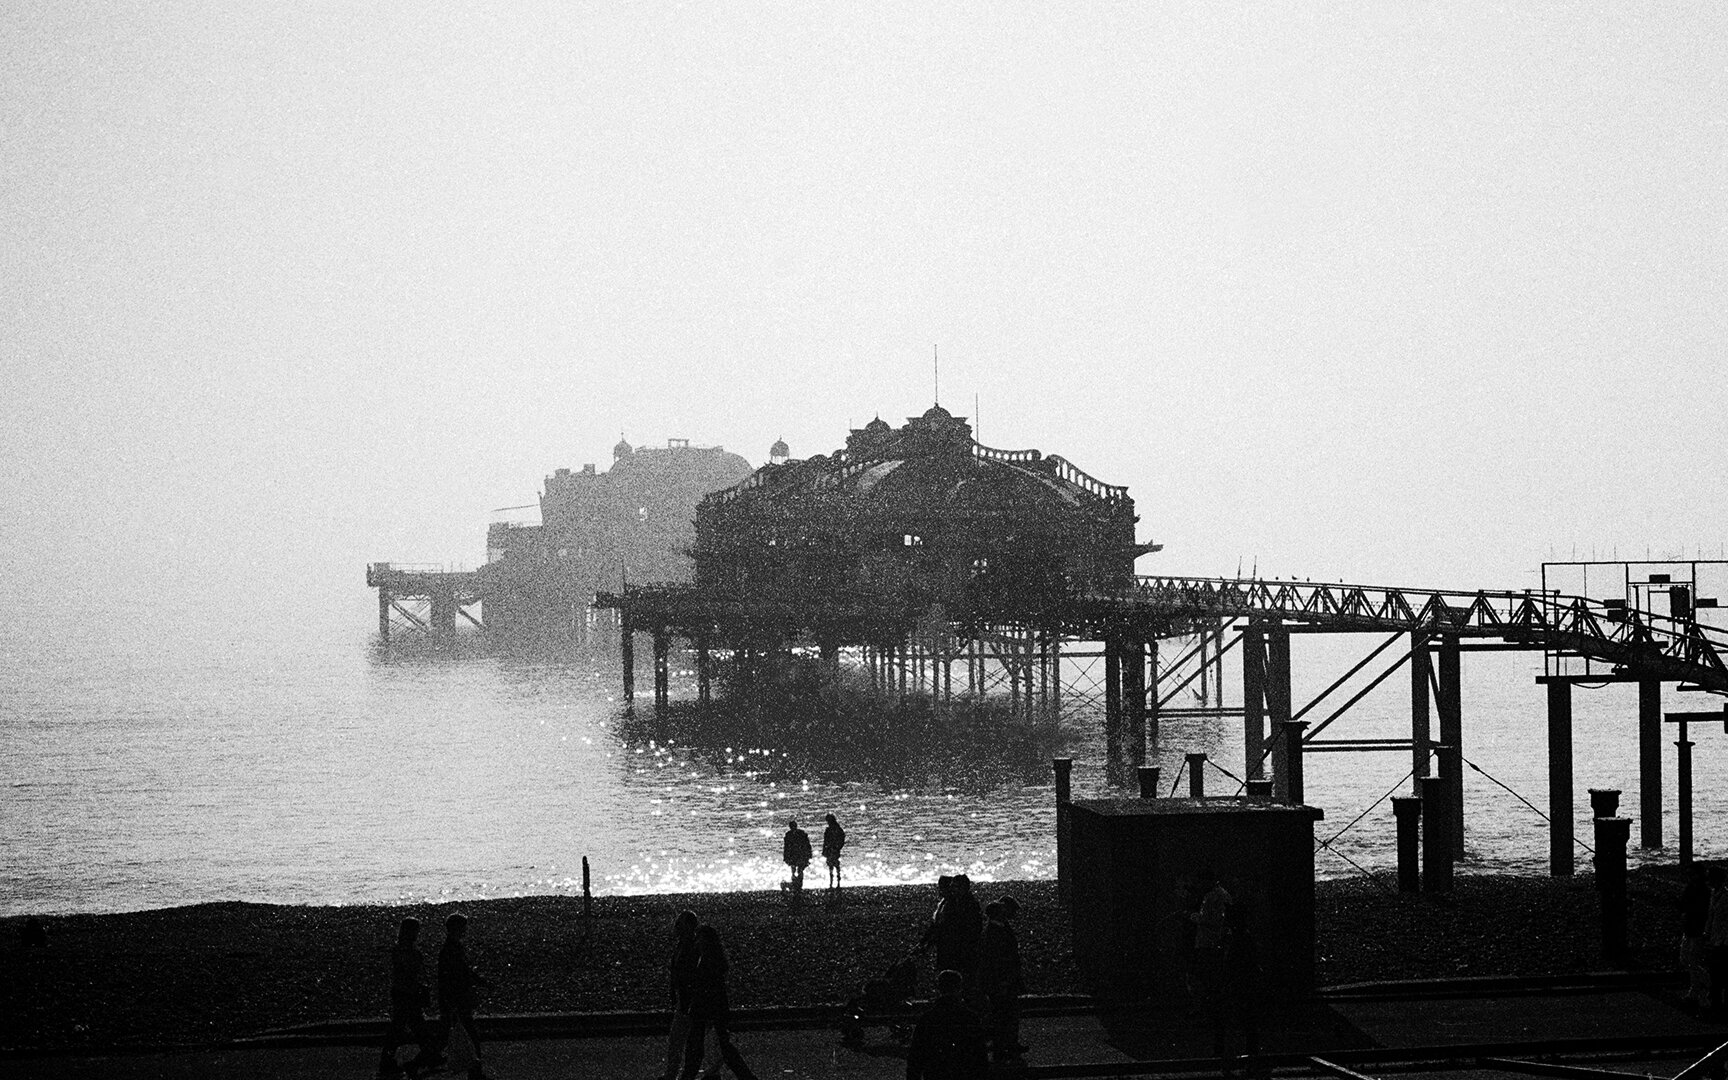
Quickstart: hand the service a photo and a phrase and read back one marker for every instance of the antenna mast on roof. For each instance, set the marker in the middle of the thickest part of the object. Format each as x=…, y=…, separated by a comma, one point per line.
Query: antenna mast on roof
x=936, y=372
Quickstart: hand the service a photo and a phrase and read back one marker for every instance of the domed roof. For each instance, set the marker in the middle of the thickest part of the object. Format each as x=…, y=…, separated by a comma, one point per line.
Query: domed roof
x=937, y=412
x=779, y=449
x=877, y=426
x=623, y=449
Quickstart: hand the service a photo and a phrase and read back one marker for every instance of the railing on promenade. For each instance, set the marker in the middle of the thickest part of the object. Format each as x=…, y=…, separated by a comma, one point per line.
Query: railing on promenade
x=1675, y=648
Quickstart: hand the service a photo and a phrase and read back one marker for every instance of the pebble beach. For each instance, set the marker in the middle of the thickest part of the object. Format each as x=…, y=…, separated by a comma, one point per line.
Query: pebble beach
x=207, y=973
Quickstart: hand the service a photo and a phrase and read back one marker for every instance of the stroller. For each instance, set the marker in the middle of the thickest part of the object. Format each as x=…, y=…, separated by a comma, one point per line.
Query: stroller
x=887, y=997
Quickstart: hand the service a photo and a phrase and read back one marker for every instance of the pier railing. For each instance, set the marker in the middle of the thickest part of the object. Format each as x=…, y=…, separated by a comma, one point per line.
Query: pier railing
x=1641, y=641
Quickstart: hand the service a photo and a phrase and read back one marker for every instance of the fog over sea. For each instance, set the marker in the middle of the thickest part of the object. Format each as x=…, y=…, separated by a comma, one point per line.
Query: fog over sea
x=156, y=758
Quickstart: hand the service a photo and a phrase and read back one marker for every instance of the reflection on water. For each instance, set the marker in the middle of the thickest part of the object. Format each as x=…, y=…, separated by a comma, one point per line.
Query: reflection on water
x=268, y=763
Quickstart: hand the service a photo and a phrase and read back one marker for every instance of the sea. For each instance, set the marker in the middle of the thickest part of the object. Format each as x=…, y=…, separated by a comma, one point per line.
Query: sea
x=157, y=758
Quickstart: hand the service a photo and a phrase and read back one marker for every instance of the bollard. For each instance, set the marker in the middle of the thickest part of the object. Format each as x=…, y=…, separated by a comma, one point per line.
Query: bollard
x=1148, y=781
x=1611, y=836
x=1196, y=775
x=1407, y=809
x=1259, y=790
x=1064, y=795
x=1436, y=836
x=1604, y=802
x=587, y=894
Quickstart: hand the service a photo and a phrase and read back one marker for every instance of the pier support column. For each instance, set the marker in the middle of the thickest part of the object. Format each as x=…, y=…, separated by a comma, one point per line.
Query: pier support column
x=1421, y=732
x=1287, y=763
x=1253, y=702
x=1683, y=781
x=1451, y=709
x=627, y=652
x=1276, y=673
x=1649, y=763
x=384, y=613
x=443, y=608
x=1611, y=836
x=1134, y=698
x=1152, y=699
x=1196, y=775
x=662, y=670
x=704, y=672
x=1560, y=862
x=1064, y=768
x=1436, y=836
x=1113, y=707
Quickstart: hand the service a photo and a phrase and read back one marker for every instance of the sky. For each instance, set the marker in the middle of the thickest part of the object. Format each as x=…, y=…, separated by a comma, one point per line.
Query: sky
x=1416, y=294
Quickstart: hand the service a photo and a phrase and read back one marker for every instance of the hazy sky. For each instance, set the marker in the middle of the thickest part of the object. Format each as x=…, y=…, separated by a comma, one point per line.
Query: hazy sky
x=1404, y=293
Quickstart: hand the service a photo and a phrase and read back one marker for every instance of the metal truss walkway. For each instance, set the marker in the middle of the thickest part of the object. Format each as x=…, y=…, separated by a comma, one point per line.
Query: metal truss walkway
x=1636, y=643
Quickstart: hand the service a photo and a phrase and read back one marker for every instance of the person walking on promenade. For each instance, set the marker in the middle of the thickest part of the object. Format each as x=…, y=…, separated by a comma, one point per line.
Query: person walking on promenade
x=457, y=981
x=999, y=977
x=1716, y=938
x=947, y=1043
x=1694, y=918
x=682, y=972
x=710, y=1009
x=833, y=839
x=956, y=932
x=795, y=852
x=408, y=1000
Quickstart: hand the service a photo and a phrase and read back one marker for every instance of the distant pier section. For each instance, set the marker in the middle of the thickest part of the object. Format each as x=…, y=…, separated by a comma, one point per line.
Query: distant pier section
x=446, y=593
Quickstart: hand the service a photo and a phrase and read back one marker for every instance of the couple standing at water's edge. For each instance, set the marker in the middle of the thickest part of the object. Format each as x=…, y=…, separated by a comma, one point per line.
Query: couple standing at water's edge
x=795, y=852
x=409, y=997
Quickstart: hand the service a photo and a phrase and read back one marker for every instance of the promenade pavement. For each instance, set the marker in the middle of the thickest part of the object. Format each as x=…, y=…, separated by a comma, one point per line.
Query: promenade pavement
x=1411, y=1029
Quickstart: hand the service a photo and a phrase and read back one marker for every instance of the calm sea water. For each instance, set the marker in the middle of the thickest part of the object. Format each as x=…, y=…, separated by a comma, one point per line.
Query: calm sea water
x=153, y=762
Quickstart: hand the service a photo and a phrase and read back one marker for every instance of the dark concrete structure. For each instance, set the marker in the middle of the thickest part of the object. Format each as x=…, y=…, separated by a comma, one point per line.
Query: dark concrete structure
x=1135, y=868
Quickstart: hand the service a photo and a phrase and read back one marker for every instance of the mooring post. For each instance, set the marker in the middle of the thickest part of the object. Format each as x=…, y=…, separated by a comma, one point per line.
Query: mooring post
x=1148, y=781
x=1253, y=702
x=1649, y=763
x=662, y=670
x=1064, y=795
x=1407, y=811
x=1451, y=701
x=1560, y=862
x=1290, y=760
x=1612, y=833
x=587, y=893
x=1421, y=732
x=1196, y=775
x=627, y=650
x=1436, y=836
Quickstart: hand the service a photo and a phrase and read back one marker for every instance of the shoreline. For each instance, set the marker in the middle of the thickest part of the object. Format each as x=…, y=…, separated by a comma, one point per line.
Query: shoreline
x=211, y=972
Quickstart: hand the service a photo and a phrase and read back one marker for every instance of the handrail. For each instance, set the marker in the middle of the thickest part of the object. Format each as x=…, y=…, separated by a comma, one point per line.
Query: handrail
x=1694, y=651
x=990, y=453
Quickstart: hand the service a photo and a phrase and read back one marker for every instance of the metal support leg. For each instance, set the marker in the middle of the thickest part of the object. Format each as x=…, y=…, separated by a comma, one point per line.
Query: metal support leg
x=1253, y=703
x=1683, y=780
x=1421, y=732
x=1450, y=700
x=1134, y=698
x=384, y=613
x=1560, y=779
x=1113, y=706
x=627, y=651
x=1277, y=683
x=1649, y=763
x=1151, y=696
x=704, y=672
x=662, y=669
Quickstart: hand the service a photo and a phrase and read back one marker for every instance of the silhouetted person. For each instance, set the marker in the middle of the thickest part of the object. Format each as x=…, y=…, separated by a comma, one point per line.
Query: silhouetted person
x=1716, y=937
x=1210, y=920
x=409, y=998
x=956, y=932
x=999, y=977
x=795, y=852
x=947, y=1043
x=457, y=981
x=1694, y=919
x=1241, y=997
x=682, y=976
x=833, y=839
x=33, y=934
x=710, y=1009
